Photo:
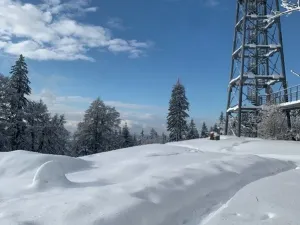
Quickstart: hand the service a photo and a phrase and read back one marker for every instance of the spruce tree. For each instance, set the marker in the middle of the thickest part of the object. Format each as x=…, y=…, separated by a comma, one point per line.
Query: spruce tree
x=222, y=122
x=176, y=119
x=4, y=114
x=215, y=128
x=18, y=90
x=135, y=141
x=154, y=137
x=127, y=138
x=37, y=117
x=97, y=132
x=142, y=138
x=192, y=131
x=204, y=131
x=221, y=118
x=164, y=138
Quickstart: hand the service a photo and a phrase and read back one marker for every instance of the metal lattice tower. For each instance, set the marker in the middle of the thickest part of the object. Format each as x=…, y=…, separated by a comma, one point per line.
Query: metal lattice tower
x=258, y=66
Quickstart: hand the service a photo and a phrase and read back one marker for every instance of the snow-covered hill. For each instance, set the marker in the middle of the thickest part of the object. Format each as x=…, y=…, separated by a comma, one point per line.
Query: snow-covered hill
x=232, y=181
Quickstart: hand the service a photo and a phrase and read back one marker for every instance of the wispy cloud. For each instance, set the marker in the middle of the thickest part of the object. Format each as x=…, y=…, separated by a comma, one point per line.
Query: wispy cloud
x=211, y=3
x=116, y=23
x=50, y=31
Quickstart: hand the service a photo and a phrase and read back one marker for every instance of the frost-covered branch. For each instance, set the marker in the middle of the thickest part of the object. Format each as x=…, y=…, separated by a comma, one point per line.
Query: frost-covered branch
x=297, y=74
x=288, y=6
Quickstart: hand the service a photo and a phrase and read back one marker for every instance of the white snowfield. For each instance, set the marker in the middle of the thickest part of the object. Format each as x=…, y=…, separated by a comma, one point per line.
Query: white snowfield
x=198, y=182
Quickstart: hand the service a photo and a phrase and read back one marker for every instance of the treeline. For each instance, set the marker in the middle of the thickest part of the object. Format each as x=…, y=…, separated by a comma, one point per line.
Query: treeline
x=25, y=124
x=100, y=131
x=28, y=125
x=269, y=123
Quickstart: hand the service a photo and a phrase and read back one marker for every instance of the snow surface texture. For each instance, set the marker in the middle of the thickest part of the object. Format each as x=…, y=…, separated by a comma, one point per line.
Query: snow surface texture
x=232, y=181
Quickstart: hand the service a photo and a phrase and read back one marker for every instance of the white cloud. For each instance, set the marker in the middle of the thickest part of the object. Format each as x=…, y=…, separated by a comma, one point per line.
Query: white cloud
x=49, y=31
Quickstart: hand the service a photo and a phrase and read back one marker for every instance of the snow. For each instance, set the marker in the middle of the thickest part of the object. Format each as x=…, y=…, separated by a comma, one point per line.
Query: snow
x=50, y=174
x=197, y=182
x=290, y=104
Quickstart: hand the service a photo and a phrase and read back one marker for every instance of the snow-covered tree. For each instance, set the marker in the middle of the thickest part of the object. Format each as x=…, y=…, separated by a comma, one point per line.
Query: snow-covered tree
x=177, y=115
x=142, y=140
x=215, y=128
x=295, y=120
x=273, y=124
x=54, y=138
x=37, y=117
x=204, y=131
x=192, y=131
x=222, y=122
x=289, y=6
x=221, y=118
x=127, y=138
x=164, y=138
x=154, y=137
x=135, y=140
x=97, y=132
x=18, y=90
x=4, y=113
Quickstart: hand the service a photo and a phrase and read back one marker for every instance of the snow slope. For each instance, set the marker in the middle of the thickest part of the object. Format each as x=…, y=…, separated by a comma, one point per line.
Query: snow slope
x=179, y=183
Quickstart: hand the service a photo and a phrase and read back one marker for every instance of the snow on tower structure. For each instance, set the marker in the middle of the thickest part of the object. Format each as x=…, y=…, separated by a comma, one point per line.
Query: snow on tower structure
x=257, y=66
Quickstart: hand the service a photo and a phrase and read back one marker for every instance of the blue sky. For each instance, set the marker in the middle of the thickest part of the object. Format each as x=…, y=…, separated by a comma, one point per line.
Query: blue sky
x=130, y=53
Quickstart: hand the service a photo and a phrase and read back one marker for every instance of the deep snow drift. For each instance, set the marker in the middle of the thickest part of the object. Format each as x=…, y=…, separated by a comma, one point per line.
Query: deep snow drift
x=232, y=181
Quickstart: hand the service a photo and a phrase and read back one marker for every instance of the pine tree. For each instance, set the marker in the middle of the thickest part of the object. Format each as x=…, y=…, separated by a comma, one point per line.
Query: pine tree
x=178, y=107
x=204, y=131
x=18, y=90
x=142, y=138
x=37, y=117
x=4, y=114
x=222, y=122
x=164, y=138
x=215, y=128
x=97, y=131
x=154, y=137
x=192, y=132
x=128, y=141
x=134, y=139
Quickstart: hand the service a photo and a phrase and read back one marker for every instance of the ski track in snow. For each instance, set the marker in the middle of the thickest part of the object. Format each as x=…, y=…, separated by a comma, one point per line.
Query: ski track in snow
x=206, y=219
x=194, y=182
x=229, y=150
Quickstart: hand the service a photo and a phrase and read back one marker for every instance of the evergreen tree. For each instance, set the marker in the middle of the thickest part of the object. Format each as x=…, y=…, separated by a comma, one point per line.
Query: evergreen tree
x=53, y=138
x=178, y=107
x=17, y=91
x=222, y=119
x=164, y=138
x=192, y=132
x=215, y=128
x=37, y=117
x=128, y=141
x=204, y=131
x=154, y=137
x=26, y=124
x=135, y=141
x=97, y=132
x=142, y=138
x=4, y=114
x=222, y=123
